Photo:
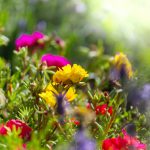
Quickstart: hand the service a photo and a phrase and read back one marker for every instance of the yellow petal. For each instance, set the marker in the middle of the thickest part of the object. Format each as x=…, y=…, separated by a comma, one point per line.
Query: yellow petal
x=49, y=98
x=70, y=95
x=51, y=88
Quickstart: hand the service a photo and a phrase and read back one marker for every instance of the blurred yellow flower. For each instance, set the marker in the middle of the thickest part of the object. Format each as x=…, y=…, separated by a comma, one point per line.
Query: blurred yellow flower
x=120, y=61
x=74, y=74
x=50, y=95
x=63, y=74
x=70, y=95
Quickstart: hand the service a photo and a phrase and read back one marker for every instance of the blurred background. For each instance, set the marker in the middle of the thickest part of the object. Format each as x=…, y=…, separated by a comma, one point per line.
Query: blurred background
x=85, y=25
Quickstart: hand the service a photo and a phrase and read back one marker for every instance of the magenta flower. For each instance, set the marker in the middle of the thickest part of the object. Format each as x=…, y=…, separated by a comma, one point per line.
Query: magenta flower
x=133, y=141
x=37, y=35
x=55, y=60
x=27, y=40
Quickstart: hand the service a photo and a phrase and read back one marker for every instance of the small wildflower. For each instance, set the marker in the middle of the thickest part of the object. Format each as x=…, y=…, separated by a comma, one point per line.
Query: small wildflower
x=75, y=121
x=101, y=109
x=70, y=73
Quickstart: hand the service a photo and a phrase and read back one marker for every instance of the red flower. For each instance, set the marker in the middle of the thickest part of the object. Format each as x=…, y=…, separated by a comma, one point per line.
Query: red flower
x=101, y=109
x=25, y=129
x=75, y=121
x=115, y=144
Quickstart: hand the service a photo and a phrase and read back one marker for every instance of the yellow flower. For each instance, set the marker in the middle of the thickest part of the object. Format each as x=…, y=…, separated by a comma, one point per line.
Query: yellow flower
x=51, y=88
x=120, y=61
x=63, y=74
x=74, y=74
x=70, y=95
x=77, y=73
x=50, y=95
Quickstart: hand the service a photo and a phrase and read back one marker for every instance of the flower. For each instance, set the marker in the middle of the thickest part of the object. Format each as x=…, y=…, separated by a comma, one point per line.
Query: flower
x=77, y=73
x=117, y=143
x=27, y=40
x=122, y=65
x=70, y=73
x=24, y=40
x=37, y=35
x=25, y=129
x=126, y=142
x=102, y=109
x=75, y=121
x=70, y=95
x=50, y=95
x=54, y=60
x=133, y=142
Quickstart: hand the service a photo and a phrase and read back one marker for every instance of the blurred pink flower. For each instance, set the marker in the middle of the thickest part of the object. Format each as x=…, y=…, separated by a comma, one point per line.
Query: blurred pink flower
x=133, y=141
x=127, y=142
x=37, y=35
x=27, y=40
x=55, y=60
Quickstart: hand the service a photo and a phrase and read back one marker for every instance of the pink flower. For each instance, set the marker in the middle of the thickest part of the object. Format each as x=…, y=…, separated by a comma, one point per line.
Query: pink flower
x=115, y=144
x=55, y=60
x=133, y=141
x=37, y=35
x=27, y=40
x=126, y=142
x=25, y=129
